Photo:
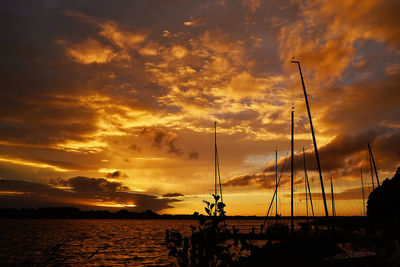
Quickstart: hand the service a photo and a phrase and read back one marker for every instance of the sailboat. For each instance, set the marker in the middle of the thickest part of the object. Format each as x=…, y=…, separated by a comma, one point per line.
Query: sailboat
x=216, y=209
x=292, y=227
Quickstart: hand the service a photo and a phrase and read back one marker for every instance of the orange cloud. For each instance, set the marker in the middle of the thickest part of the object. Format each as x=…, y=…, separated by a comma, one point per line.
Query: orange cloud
x=147, y=89
x=123, y=39
x=90, y=51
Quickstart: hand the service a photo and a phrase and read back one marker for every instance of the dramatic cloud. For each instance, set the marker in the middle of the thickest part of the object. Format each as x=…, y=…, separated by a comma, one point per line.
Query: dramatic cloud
x=343, y=156
x=161, y=137
x=348, y=194
x=131, y=90
x=173, y=195
x=261, y=180
x=84, y=192
x=194, y=155
x=116, y=175
x=90, y=51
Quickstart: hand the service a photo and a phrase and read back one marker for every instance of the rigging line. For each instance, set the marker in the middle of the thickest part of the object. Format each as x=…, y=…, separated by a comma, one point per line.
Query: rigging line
x=348, y=202
x=276, y=182
x=372, y=174
x=215, y=163
x=373, y=161
x=307, y=184
x=305, y=193
x=219, y=178
x=207, y=177
x=355, y=202
x=279, y=180
x=362, y=188
x=309, y=192
x=351, y=201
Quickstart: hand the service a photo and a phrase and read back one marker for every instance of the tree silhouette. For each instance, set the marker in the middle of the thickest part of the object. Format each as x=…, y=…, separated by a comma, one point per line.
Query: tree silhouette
x=383, y=208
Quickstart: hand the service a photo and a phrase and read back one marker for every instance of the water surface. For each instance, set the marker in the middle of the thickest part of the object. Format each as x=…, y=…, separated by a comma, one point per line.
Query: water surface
x=108, y=242
x=86, y=242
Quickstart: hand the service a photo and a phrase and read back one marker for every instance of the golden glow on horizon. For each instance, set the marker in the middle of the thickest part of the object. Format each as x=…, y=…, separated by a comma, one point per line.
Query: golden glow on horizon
x=115, y=205
x=92, y=146
x=32, y=164
x=11, y=193
x=135, y=99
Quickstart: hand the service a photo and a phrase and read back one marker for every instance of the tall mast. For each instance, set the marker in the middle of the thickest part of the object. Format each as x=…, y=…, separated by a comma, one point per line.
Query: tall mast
x=362, y=188
x=305, y=183
x=314, y=140
x=308, y=183
x=276, y=184
x=276, y=189
x=215, y=165
x=217, y=172
x=305, y=188
x=333, y=200
x=372, y=173
x=373, y=161
x=291, y=175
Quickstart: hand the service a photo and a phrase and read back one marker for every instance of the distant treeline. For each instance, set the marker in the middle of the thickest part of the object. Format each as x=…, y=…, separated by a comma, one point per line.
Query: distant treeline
x=75, y=213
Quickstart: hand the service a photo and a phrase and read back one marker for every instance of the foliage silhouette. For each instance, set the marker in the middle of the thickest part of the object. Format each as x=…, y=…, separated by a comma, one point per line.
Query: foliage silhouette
x=207, y=242
x=383, y=208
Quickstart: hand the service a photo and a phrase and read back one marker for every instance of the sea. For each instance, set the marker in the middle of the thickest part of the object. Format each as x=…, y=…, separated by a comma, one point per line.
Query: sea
x=80, y=242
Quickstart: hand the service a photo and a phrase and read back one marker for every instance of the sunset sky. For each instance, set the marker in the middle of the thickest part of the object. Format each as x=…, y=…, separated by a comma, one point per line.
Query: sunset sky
x=111, y=104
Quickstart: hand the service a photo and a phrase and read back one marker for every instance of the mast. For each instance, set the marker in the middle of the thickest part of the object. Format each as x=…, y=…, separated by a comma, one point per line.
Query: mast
x=291, y=176
x=276, y=184
x=305, y=183
x=276, y=189
x=308, y=184
x=314, y=140
x=372, y=173
x=333, y=200
x=373, y=161
x=215, y=165
x=362, y=188
x=217, y=172
x=305, y=188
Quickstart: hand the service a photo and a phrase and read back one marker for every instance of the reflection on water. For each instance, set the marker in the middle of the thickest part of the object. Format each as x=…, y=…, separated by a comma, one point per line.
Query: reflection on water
x=93, y=242
x=89, y=242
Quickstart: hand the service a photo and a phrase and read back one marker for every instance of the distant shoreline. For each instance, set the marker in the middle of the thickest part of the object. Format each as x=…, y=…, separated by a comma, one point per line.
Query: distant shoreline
x=75, y=213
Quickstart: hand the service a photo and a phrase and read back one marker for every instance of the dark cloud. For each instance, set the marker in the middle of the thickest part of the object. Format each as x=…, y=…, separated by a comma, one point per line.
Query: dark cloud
x=58, y=181
x=367, y=104
x=347, y=151
x=348, y=194
x=173, y=195
x=82, y=78
x=101, y=185
x=84, y=192
x=116, y=175
x=260, y=180
x=194, y=155
x=344, y=155
x=162, y=138
x=135, y=148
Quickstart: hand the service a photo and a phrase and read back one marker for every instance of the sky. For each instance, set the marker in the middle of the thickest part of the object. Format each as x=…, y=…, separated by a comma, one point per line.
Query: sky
x=111, y=104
